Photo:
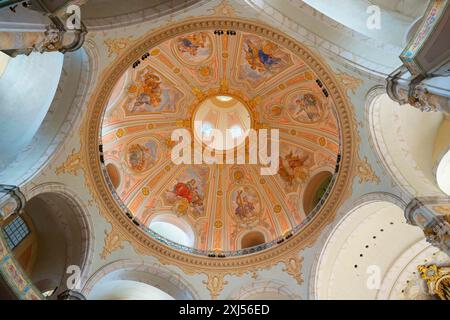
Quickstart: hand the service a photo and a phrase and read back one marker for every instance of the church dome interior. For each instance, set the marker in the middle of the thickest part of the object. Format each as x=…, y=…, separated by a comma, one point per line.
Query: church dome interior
x=224, y=150
x=202, y=82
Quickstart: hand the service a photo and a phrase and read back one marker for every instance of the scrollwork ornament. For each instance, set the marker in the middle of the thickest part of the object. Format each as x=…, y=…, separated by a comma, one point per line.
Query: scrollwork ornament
x=215, y=284
x=293, y=266
x=437, y=278
x=113, y=242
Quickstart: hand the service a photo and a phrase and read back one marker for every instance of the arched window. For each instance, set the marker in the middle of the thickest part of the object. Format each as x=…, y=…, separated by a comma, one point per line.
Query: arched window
x=114, y=174
x=443, y=173
x=252, y=239
x=127, y=290
x=173, y=228
x=441, y=156
x=15, y=232
x=60, y=239
x=315, y=190
x=139, y=280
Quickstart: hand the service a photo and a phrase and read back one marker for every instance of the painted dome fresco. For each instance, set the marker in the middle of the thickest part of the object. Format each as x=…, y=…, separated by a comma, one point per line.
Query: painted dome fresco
x=207, y=81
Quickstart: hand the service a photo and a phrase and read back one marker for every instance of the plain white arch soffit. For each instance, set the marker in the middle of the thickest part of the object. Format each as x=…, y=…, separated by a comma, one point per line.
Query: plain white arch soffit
x=370, y=236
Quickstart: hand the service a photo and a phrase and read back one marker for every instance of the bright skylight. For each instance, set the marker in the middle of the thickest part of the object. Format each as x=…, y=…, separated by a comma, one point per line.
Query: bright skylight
x=236, y=132
x=224, y=98
x=443, y=173
x=206, y=128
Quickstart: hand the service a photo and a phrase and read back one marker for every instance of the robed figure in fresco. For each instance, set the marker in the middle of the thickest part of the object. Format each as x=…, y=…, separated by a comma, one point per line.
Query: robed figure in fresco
x=307, y=108
x=192, y=43
x=245, y=208
x=150, y=90
x=262, y=58
x=188, y=192
x=293, y=168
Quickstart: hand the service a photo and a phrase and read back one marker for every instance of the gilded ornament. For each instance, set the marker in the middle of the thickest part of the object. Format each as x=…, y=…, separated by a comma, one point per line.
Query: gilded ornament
x=442, y=209
x=113, y=242
x=438, y=280
x=116, y=46
x=322, y=141
x=365, y=172
x=294, y=268
x=120, y=133
x=145, y=191
x=238, y=175
x=349, y=82
x=72, y=164
x=155, y=52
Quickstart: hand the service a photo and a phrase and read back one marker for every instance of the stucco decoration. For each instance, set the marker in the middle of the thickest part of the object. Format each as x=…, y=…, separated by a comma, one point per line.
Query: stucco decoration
x=294, y=267
x=113, y=242
x=349, y=82
x=71, y=165
x=116, y=46
x=215, y=284
x=365, y=172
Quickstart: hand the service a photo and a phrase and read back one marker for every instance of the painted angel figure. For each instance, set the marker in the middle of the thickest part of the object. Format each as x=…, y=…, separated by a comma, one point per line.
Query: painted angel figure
x=293, y=168
x=307, y=105
x=149, y=92
x=192, y=43
x=261, y=59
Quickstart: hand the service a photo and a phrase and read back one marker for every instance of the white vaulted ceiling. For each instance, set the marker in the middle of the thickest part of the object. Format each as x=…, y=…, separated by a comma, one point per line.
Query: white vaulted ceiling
x=406, y=8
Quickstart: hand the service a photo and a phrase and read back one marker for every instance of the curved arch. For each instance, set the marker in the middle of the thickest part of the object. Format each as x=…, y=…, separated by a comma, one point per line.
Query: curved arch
x=369, y=54
x=127, y=290
x=406, y=153
x=29, y=82
x=141, y=271
x=251, y=238
x=354, y=14
x=264, y=290
x=441, y=156
x=82, y=218
x=61, y=116
x=353, y=247
x=312, y=193
x=97, y=18
x=443, y=172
